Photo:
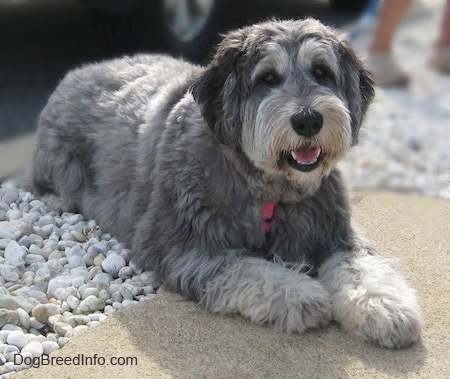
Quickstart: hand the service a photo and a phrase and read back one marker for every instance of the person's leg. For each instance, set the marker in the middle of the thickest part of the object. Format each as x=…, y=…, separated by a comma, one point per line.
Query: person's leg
x=441, y=58
x=391, y=13
x=385, y=70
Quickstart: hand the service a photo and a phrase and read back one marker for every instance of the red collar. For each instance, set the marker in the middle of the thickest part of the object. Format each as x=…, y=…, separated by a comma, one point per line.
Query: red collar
x=267, y=215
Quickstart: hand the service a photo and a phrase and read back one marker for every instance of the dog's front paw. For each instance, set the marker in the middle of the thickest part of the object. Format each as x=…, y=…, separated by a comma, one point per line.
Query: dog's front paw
x=266, y=292
x=372, y=300
x=305, y=308
x=382, y=320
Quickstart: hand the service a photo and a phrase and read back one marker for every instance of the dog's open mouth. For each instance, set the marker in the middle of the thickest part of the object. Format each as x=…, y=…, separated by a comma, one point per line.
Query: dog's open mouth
x=306, y=158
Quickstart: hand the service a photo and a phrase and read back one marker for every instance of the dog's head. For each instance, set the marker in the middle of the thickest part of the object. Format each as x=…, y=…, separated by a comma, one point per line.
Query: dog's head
x=290, y=94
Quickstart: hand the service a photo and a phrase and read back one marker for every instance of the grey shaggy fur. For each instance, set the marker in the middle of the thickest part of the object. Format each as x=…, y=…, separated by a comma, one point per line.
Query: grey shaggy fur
x=178, y=161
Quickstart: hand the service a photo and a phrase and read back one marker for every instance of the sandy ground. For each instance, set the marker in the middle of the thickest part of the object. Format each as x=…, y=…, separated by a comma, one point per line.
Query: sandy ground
x=171, y=338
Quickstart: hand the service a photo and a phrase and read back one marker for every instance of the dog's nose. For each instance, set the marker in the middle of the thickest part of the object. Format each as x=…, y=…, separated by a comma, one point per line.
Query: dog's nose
x=307, y=124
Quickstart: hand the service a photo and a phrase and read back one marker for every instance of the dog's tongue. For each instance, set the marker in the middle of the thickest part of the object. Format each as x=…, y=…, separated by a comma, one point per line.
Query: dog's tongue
x=306, y=154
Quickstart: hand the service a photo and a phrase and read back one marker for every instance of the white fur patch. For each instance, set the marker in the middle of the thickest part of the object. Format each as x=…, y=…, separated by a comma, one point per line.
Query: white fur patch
x=267, y=292
x=372, y=300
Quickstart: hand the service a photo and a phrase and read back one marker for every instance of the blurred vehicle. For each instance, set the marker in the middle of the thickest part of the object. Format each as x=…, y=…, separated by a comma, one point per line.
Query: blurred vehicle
x=191, y=26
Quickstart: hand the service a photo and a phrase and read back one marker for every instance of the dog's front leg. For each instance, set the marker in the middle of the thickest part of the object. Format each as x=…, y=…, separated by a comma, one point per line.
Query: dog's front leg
x=371, y=299
x=267, y=292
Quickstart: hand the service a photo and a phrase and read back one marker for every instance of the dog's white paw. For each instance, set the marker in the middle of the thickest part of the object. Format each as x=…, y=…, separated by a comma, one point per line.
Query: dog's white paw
x=382, y=320
x=266, y=292
x=372, y=300
x=308, y=308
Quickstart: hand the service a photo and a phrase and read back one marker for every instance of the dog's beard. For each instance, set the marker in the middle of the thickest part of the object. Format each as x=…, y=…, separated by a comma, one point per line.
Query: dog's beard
x=273, y=146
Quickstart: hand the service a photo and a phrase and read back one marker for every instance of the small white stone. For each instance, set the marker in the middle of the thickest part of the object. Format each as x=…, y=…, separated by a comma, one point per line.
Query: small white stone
x=147, y=290
x=102, y=277
x=75, y=261
x=9, y=272
x=39, y=338
x=77, y=280
x=55, y=284
x=102, y=317
x=31, y=259
x=67, y=237
x=109, y=309
x=53, y=309
x=79, y=237
x=82, y=271
x=13, y=214
x=103, y=294
x=80, y=329
x=45, y=220
x=40, y=296
x=9, y=352
x=65, y=307
x=134, y=290
x=72, y=301
x=92, y=303
x=52, y=320
x=73, y=219
x=62, y=341
x=89, y=291
x=8, y=231
x=49, y=346
x=61, y=328
x=52, y=337
x=34, y=348
x=126, y=272
x=15, y=254
x=17, y=338
x=4, y=335
x=116, y=305
x=24, y=318
x=34, y=249
x=117, y=297
x=113, y=263
x=35, y=324
x=75, y=320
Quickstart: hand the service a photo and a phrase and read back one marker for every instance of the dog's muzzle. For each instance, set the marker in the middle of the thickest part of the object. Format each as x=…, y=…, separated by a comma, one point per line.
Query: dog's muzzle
x=306, y=157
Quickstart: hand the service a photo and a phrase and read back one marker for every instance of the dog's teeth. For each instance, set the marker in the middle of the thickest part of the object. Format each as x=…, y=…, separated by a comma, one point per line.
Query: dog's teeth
x=308, y=163
x=294, y=156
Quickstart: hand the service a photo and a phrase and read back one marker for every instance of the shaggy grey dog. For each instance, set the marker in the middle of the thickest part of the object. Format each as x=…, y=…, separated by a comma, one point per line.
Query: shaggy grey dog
x=222, y=179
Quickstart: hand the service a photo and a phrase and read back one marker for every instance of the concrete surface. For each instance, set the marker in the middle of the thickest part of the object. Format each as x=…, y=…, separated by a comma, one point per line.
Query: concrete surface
x=172, y=338
x=16, y=155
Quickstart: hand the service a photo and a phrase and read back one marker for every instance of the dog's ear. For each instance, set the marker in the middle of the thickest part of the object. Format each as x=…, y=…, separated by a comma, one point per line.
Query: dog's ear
x=359, y=88
x=216, y=89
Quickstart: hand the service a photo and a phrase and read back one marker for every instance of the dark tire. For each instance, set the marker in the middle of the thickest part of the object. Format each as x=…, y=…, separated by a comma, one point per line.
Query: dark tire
x=193, y=44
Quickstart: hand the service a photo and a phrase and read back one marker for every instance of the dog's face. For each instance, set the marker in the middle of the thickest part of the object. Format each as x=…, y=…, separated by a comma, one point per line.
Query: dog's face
x=291, y=95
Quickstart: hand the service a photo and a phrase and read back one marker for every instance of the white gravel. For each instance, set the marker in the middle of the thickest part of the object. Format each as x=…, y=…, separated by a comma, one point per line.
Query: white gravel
x=59, y=275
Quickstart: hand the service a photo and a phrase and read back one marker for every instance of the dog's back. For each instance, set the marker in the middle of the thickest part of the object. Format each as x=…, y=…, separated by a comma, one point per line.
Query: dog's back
x=105, y=105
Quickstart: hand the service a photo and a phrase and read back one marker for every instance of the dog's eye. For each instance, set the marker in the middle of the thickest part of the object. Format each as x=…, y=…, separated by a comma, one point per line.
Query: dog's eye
x=321, y=72
x=270, y=78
